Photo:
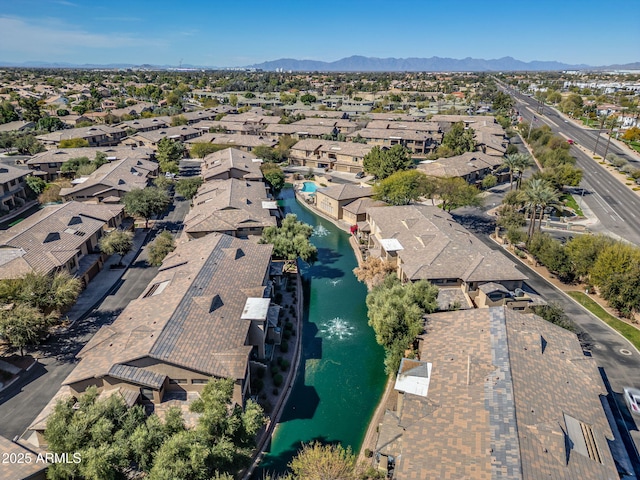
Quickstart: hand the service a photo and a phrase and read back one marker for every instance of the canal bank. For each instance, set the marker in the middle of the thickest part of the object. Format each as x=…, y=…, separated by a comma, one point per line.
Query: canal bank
x=341, y=374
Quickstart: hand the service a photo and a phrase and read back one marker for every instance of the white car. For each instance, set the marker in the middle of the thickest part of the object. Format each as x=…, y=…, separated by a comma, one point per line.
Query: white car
x=632, y=397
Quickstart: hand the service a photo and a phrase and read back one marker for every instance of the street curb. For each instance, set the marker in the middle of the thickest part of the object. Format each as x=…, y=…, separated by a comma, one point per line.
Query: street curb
x=570, y=298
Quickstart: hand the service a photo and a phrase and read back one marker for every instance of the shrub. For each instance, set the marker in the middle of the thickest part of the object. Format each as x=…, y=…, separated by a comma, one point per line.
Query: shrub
x=286, y=334
x=259, y=385
x=284, y=347
x=275, y=391
x=368, y=453
x=274, y=369
x=279, y=360
x=277, y=380
x=285, y=365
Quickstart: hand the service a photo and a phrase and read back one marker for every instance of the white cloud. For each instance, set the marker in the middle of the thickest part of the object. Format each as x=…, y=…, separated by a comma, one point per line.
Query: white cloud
x=25, y=37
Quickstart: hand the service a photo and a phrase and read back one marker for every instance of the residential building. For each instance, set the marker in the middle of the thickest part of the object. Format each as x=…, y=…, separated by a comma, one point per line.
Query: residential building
x=146, y=124
x=231, y=163
x=418, y=142
x=195, y=321
x=48, y=164
x=110, y=182
x=494, y=394
x=13, y=189
x=426, y=243
x=339, y=124
x=432, y=128
x=96, y=135
x=17, y=126
x=241, y=142
x=322, y=114
x=339, y=156
x=332, y=200
x=300, y=131
x=236, y=207
x=233, y=128
x=151, y=138
x=58, y=237
x=471, y=166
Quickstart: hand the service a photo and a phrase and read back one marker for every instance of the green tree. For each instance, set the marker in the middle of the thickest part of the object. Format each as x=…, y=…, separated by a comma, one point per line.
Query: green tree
x=30, y=109
x=554, y=313
x=178, y=120
x=614, y=259
x=146, y=202
x=308, y=98
x=73, y=164
x=274, y=176
x=502, y=103
x=622, y=291
x=188, y=187
x=36, y=184
x=489, y=181
x=456, y=192
x=22, y=325
x=632, y=134
x=169, y=154
x=202, y=149
x=28, y=145
x=291, y=240
x=49, y=293
x=73, y=143
x=516, y=163
x=395, y=312
x=401, y=188
x=383, y=163
x=583, y=251
x=181, y=456
x=50, y=124
x=459, y=139
x=116, y=242
x=233, y=100
x=7, y=112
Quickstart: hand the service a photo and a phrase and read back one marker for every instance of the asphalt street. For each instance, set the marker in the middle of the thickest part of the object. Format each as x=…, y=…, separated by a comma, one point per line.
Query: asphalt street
x=23, y=400
x=615, y=205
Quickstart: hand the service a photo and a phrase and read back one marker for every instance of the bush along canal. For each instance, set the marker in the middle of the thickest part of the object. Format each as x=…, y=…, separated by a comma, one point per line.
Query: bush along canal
x=341, y=375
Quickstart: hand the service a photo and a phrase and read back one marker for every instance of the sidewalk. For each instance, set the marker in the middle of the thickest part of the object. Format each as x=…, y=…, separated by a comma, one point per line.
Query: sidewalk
x=101, y=284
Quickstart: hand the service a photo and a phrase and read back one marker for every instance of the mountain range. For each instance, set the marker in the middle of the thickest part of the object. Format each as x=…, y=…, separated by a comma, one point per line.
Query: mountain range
x=357, y=63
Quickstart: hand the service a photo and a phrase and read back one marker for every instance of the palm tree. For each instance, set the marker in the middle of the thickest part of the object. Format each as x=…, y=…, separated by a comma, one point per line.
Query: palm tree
x=547, y=197
x=523, y=162
x=531, y=193
x=515, y=162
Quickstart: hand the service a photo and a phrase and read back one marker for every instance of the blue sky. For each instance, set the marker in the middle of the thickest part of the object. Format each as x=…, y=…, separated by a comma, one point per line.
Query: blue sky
x=234, y=33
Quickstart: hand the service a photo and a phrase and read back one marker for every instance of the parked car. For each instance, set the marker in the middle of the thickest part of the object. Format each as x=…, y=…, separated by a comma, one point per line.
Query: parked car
x=570, y=142
x=632, y=397
x=360, y=175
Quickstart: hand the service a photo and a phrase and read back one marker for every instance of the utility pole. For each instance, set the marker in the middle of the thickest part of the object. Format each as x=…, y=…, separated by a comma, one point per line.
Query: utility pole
x=609, y=139
x=599, y=132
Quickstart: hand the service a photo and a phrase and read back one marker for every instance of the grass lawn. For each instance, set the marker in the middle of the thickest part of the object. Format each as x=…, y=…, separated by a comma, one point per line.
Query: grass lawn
x=571, y=203
x=628, y=331
x=634, y=145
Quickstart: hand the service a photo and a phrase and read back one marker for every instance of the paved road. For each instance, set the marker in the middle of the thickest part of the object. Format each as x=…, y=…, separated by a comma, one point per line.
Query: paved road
x=617, y=208
x=22, y=401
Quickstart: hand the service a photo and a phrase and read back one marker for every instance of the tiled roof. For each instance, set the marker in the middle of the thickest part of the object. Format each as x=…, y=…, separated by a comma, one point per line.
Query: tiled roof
x=224, y=161
x=232, y=139
x=293, y=129
x=501, y=385
x=224, y=205
x=431, y=127
x=120, y=175
x=9, y=172
x=52, y=236
x=137, y=375
x=154, y=136
x=358, y=150
x=460, y=165
x=61, y=155
x=346, y=191
x=82, y=132
x=15, y=465
x=435, y=246
x=360, y=206
x=194, y=321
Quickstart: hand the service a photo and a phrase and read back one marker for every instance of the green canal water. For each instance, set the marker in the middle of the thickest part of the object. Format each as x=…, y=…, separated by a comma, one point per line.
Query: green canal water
x=341, y=374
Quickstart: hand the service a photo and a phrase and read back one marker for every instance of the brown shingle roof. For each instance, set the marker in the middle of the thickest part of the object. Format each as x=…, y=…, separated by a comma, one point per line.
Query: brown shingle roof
x=501, y=385
x=435, y=246
x=224, y=161
x=224, y=205
x=52, y=236
x=346, y=191
x=194, y=320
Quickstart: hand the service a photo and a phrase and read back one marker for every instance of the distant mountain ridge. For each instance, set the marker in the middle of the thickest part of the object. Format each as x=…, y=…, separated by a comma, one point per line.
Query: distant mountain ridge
x=359, y=63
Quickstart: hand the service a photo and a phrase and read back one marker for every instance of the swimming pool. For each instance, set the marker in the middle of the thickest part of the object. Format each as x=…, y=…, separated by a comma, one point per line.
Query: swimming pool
x=309, y=187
